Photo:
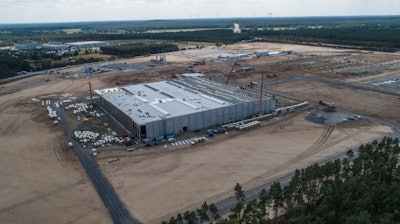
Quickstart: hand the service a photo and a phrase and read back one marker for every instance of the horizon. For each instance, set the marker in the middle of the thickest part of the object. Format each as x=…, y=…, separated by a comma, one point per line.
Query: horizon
x=59, y=11
x=222, y=18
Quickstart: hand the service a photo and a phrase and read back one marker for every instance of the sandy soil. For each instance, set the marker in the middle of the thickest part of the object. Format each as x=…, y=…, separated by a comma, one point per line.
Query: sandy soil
x=272, y=47
x=157, y=186
x=43, y=182
x=367, y=103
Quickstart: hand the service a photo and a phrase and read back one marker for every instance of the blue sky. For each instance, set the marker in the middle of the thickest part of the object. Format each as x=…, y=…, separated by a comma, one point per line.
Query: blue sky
x=32, y=11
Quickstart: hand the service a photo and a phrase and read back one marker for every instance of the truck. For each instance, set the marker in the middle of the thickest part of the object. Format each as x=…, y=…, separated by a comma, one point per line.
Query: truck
x=331, y=105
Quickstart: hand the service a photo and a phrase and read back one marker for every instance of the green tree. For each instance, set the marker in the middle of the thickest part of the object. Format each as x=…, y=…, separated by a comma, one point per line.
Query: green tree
x=203, y=213
x=214, y=212
x=241, y=200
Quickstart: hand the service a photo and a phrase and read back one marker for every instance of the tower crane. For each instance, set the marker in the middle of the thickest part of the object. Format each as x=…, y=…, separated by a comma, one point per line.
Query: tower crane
x=91, y=93
x=90, y=89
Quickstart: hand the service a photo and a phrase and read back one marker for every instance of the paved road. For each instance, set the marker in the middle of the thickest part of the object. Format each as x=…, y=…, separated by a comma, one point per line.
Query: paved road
x=226, y=205
x=119, y=212
x=115, y=206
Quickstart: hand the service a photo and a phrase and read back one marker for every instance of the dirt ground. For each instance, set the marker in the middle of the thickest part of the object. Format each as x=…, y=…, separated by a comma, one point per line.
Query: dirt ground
x=43, y=181
x=158, y=186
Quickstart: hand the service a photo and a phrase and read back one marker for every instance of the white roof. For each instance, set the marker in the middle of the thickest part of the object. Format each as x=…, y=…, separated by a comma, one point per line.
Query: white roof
x=86, y=42
x=149, y=102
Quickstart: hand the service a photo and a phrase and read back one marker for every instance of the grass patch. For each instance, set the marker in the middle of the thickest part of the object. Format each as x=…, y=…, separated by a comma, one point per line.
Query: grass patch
x=180, y=30
x=71, y=31
x=133, y=41
x=94, y=55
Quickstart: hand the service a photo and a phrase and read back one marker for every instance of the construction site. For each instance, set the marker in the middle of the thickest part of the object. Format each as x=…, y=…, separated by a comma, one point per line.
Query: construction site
x=151, y=137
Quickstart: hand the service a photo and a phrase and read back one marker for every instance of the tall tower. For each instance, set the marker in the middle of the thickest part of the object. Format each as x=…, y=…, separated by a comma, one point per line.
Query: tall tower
x=236, y=28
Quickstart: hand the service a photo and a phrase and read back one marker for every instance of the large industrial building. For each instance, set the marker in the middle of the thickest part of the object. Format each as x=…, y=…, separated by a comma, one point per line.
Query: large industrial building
x=88, y=44
x=59, y=46
x=192, y=102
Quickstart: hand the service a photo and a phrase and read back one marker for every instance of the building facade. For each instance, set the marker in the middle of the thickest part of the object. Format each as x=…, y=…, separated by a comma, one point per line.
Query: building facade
x=192, y=102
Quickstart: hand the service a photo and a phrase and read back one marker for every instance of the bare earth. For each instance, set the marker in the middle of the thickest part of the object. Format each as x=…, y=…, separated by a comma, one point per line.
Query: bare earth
x=156, y=187
x=42, y=180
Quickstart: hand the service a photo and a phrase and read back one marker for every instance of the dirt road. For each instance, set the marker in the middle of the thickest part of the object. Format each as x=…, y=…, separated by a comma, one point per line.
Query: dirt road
x=43, y=182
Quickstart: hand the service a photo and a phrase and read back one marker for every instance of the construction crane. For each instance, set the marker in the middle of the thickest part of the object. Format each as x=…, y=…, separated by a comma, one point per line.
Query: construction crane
x=90, y=90
x=91, y=93
x=236, y=64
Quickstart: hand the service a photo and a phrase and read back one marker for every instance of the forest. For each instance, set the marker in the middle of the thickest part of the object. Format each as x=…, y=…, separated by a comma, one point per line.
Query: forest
x=138, y=26
x=10, y=65
x=361, y=188
x=132, y=50
x=375, y=33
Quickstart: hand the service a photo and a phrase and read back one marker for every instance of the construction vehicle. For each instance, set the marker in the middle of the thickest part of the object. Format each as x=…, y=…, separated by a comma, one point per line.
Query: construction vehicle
x=331, y=105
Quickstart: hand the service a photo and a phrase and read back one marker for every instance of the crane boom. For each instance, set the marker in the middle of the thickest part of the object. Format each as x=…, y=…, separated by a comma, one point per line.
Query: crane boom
x=91, y=93
x=230, y=74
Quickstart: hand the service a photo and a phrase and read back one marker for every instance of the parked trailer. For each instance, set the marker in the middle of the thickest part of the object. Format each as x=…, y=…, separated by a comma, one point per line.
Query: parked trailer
x=331, y=105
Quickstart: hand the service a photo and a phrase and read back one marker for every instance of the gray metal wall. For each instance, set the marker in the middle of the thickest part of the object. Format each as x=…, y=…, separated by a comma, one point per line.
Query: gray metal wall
x=120, y=116
x=195, y=121
x=205, y=119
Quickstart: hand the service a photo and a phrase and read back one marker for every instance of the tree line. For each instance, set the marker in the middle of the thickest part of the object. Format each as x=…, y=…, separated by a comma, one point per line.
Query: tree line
x=357, y=189
x=384, y=37
x=10, y=65
x=212, y=23
x=132, y=50
x=374, y=37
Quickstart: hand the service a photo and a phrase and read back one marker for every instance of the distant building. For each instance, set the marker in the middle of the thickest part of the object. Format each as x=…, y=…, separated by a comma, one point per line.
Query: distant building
x=236, y=28
x=72, y=46
x=26, y=46
x=262, y=53
x=6, y=48
x=54, y=47
x=88, y=44
x=238, y=56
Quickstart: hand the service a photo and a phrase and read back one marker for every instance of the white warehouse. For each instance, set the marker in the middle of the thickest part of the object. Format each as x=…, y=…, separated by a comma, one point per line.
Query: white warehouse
x=190, y=103
x=88, y=44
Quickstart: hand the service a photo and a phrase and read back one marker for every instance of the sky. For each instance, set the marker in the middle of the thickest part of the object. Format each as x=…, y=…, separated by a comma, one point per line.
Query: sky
x=39, y=11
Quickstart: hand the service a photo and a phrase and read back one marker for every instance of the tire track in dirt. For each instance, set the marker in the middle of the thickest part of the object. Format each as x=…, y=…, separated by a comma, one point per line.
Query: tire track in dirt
x=63, y=154
x=320, y=144
x=119, y=184
x=12, y=127
x=358, y=138
x=37, y=217
x=173, y=164
x=42, y=196
x=230, y=169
